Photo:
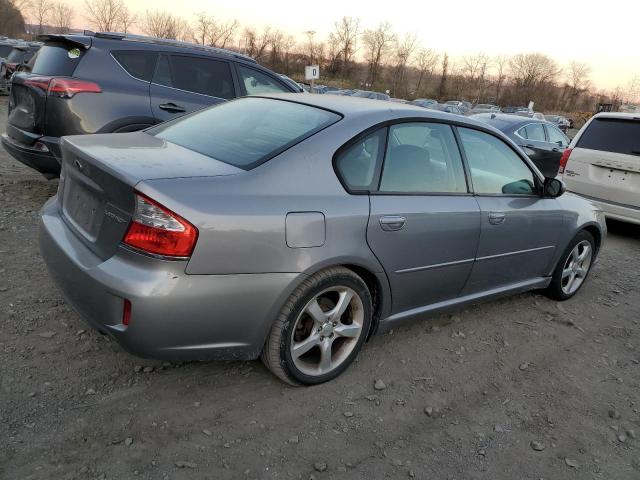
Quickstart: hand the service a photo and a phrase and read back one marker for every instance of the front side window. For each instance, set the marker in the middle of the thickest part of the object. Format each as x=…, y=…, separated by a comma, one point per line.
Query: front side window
x=258, y=83
x=356, y=164
x=246, y=132
x=422, y=158
x=495, y=167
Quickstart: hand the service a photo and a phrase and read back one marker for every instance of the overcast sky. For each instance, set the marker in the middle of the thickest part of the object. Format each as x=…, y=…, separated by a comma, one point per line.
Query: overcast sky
x=603, y=34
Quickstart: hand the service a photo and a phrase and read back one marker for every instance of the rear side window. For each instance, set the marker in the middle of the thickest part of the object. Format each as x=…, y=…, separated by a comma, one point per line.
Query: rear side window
x=17, y=56
x=356, y=164
x=533, y=131
x=197, y=75
x=612, y=135
x=245, y=132
x=57, y=59
x=137, y=64
x=258, y=83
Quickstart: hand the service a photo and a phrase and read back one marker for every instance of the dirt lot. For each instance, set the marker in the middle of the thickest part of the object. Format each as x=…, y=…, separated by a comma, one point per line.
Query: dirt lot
x=522, y=388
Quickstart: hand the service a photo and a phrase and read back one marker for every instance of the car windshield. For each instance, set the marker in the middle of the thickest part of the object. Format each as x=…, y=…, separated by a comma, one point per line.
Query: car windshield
x=5, y=49
x=246, y=132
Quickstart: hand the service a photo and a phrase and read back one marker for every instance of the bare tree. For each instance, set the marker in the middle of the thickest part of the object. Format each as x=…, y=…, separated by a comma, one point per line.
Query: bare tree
x=103, y=15
x=12, y=17
x=442, y=89
x=474, y=71
x=404, y=50
x=530, y=71
x=157, y=23
x=202, y=27
x=126, y=19
x=62, y=17
x=378, y=43
x=578, y=82
x=222, y=33
x=40, y=10
x=501, y=75
x=345, y=35
x=426, y=60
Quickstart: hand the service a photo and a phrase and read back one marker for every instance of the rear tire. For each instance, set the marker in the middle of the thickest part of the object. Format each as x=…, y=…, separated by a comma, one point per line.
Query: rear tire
x=573, y=267
x=320, y=329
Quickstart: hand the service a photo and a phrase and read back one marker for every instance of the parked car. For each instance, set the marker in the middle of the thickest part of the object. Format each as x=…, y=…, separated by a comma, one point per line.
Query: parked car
x=344, y=92
x=446, y=108
x=559, y=121
x=399, y=100
x=372, y=95
x=107, y=82
x=484, y=108
x=300, y=225
x=464, y=106
x=6, y=45
x=514, y=109
x=603, y=164
x=542, y=141
x=424, y=102
x=296, y=86
x=20, y=55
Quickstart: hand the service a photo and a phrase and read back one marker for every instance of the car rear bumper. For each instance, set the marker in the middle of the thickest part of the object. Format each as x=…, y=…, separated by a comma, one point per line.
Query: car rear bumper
x=44, y=162
x=174, y=316
x=617, y=211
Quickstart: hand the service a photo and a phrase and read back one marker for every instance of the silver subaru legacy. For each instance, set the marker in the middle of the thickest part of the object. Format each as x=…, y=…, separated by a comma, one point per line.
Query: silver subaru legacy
x=294, y=227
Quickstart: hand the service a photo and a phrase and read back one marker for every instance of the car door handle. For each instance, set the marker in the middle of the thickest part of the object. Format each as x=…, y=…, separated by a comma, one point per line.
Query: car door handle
x=171, y=107
x=496, y=218
x=555, y=149
x=528, y=145
x=392, y=223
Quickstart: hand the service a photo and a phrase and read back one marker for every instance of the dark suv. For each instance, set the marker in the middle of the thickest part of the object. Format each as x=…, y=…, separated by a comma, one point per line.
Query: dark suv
x=106, y=82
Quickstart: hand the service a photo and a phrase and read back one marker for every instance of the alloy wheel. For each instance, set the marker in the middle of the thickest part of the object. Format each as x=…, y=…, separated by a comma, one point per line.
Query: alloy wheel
x=576, y=267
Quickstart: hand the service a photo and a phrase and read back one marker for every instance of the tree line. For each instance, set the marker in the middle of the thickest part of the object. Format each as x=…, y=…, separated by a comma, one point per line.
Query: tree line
x=352, y=56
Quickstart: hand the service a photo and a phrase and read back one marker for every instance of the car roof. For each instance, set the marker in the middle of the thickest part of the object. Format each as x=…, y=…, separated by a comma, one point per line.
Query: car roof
x=503, y=121
x=354, y=106
x=87, y=38
x=627, y=115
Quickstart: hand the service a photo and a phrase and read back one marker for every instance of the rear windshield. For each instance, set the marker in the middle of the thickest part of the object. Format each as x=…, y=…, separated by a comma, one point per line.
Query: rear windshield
x=612, y=135
x=246, y=132
x=5, y=49
x=56, y=58
x=17, y=56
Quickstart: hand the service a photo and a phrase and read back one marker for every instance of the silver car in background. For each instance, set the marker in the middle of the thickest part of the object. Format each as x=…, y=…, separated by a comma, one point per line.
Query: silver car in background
x=293, y=227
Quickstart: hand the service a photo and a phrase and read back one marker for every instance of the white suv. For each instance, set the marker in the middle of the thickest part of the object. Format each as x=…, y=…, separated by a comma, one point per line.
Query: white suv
x=602, y=164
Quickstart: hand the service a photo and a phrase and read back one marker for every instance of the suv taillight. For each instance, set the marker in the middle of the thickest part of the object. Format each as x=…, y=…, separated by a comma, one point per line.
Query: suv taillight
x=564, y=159
x=157, y=230
x=62, y=87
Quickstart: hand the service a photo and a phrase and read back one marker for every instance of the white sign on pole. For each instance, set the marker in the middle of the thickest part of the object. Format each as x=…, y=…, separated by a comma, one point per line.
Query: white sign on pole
x=531, y=106
x=312, y=72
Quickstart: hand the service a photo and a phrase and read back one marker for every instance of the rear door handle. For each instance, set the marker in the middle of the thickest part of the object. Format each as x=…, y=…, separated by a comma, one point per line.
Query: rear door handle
x=171, y=107
x=496, y=218
x=392, y=223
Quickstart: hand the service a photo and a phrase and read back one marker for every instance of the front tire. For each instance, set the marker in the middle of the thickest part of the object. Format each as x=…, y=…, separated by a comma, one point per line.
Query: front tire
x=573, y=267
x=320, y=329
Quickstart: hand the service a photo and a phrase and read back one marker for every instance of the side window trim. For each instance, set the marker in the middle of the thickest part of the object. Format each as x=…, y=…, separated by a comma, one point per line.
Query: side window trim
x=375, y=181
x=538, y=181
x=170, y=55
x=453, y=128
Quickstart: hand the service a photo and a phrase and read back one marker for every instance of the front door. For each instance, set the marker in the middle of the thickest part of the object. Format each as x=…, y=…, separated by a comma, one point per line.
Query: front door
x=184, y=84
x=519, y=229
x=424, y=224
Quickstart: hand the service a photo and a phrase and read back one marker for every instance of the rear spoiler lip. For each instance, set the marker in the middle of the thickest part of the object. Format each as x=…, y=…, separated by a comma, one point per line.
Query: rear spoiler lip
x=79, y=40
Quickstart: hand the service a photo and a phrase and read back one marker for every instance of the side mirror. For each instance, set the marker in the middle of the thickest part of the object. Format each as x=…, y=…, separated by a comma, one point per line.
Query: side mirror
x=553, y=188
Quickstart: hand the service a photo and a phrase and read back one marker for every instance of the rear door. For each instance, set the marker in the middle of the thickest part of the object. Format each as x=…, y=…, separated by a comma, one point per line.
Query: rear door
x=185, y=83
x=539, y=150
x=424, y=224
x=605, y=163
x=558, y=142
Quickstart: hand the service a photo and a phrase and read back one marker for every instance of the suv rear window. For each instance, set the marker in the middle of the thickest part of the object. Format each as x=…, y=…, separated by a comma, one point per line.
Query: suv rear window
x=5, y=49
x=612, y=135
x=246, y=132
x=140, y=65
x=57, y=58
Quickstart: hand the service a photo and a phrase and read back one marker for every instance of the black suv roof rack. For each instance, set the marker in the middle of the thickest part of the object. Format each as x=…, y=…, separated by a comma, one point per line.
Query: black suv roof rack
x=168, y=42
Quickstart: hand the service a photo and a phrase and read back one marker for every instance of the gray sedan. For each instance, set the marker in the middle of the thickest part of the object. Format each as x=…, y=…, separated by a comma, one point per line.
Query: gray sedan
x=293, y=227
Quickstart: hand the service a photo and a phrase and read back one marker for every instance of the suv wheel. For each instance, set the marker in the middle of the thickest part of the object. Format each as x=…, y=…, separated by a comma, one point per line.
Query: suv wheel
x=321, y=328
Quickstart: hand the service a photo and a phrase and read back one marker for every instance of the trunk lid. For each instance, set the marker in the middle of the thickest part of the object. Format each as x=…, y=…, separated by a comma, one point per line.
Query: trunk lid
x=96, y=193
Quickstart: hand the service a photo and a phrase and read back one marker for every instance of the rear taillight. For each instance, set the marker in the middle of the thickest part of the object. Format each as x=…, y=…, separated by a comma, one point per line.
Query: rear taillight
x=157, y=230
x=564, y=159
x=126, y=312
x=62, y=87
x=68, y=87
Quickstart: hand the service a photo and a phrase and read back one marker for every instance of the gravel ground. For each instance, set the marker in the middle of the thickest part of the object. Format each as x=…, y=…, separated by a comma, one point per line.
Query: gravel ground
x=521, y=388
